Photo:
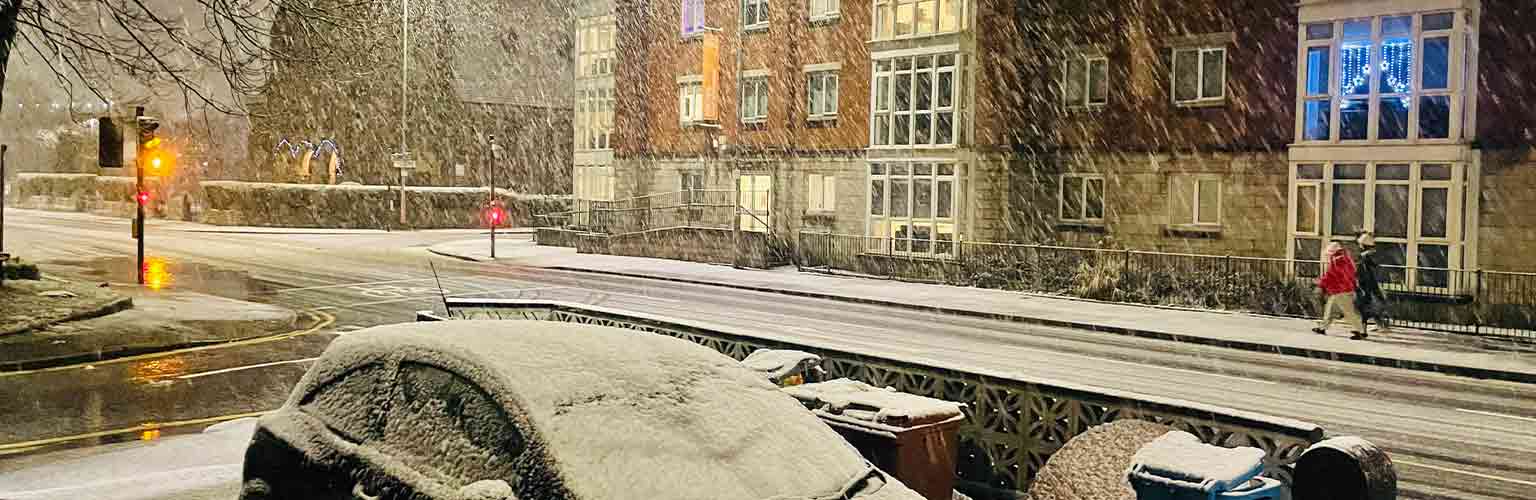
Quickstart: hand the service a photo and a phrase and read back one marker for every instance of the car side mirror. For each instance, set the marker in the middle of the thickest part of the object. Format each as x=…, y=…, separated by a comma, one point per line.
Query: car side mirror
x=487, y=489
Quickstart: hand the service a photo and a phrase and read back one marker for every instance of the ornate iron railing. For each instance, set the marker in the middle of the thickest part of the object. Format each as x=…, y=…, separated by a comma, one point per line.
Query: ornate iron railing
x=1013, y=424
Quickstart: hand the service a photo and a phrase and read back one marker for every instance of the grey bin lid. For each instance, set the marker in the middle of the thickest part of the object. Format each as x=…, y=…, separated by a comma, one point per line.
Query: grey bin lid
x=1180, y=457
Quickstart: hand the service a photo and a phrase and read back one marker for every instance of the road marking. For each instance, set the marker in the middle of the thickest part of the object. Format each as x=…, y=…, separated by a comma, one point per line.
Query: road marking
x=433, y=297
x=1469, y=473
x=1492, y=414
x=246, y=367
x=344, y=285
x=325, y=321
x=22, y=446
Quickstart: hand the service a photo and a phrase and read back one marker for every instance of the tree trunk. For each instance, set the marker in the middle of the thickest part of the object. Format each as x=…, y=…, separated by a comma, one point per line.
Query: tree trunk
x=9, y=9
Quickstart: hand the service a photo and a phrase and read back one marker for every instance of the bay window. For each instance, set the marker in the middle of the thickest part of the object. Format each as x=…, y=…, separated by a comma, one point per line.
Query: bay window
x=910, y=18
x=916, y=100
x=594, y=118
x=1416, y=211
x=1386, y=78
x=913, y=207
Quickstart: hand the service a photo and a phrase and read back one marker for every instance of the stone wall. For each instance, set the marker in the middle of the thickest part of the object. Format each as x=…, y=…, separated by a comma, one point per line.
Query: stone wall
x=101, y=195
x=714, y=246
x=1507, y=211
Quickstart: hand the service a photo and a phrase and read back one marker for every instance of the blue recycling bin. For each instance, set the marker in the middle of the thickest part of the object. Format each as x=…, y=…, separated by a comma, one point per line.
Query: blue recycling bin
x=1177, y=466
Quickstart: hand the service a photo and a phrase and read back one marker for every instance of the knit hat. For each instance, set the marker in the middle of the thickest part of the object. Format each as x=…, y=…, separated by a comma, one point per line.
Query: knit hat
x=1333, y=248
x=1366, y=240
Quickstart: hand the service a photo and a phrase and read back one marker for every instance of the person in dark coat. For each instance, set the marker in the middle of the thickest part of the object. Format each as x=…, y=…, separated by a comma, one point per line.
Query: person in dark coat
x=1369, y=299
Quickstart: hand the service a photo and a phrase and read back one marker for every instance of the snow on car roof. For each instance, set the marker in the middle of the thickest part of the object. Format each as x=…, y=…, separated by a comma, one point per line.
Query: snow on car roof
x=625, y=414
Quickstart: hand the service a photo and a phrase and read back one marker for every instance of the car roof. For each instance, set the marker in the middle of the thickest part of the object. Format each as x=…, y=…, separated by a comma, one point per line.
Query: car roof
x=624, y=414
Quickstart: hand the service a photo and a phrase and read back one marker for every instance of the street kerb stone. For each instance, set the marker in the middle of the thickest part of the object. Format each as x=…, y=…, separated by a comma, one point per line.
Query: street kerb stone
x=1092, y=466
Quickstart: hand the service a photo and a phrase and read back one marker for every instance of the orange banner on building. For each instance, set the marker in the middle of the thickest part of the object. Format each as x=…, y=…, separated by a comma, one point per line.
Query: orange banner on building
x=710, y=70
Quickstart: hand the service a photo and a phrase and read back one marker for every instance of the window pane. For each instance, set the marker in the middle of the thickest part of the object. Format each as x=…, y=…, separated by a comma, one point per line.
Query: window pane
x=1213, y=68
x=1436, y=258
x=882, y=93
x=882, y=130
x=1317, y=70
x=1437, y=57
x=1354, y=117
x=814, y=93
x=1308, y=254
x=900, y=203
x=1394, y=118
x=1349, y=171
x=1098, y=81
x=1392, y=257
x=901, y=232
x=904, y=19
x=922, y=195
x=1186, y=75
x=885, y=21
x=1348, y=209
x=1306, y=209
x=1072, y=197
x=922, y=128
x=924, y=91
x=901, y=130
x=1093, y=208
x=1392, y=211
x=926, y=16
x=1441, y=21
x=946, y=89
x=877, y=197
x=1319, y=31
x=1357, y=29
x=944, y=131
x=1435, y=172
x=1315, y=123
x=1354, y=68
x=1432, y=206
x=1435, y=117
x=946, y=199
x=1396, y=66
x=949, y=14
x=1074, y=85
x=1399, y=25
x=1210, y=202
x=903, y=91
x=1309, y=171
x=922, y=169
x=1392, y=172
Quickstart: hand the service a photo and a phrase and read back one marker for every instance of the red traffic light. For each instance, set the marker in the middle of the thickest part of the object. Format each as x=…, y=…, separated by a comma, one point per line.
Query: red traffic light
x=142, y=197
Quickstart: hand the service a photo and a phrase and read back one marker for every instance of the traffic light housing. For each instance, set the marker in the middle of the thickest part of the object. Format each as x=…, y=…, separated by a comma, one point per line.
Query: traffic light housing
x=154, y=159
x=109, y=148
x=494, y=215
x=142, y=197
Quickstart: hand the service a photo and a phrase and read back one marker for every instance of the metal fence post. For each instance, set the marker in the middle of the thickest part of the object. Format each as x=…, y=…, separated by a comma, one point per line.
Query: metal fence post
x=1479, y=305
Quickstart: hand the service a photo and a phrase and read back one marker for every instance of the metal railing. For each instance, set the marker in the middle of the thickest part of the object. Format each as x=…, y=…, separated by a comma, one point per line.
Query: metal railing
x=700, y=208
x=1477, y=302
x=1013, y=424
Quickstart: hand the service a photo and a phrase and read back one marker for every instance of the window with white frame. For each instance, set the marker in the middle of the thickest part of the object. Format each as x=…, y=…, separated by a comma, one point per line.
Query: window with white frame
x=916, y=100
x=692, y=17
x=821, y=193
x=913, y=206
x=1194, y=200
x=908, y=18
x=754, y=99
x=753, y=193
x=1082, y=198
x=1416, y=211
x=690, y=101
x=594, y=118
x=1085, y=80
x=593, y=182
x=821, y=91
x=691, y=185
x=754, y=13
x=595, y=47
x=1199, y=75
x=1386, y=78
x=823, y=9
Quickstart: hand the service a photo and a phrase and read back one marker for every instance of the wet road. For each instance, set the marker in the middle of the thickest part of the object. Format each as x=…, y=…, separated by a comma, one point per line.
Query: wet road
x=1451, y=437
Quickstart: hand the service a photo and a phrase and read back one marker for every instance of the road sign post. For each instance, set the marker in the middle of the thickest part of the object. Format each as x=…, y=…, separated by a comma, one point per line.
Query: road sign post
x=403, y=162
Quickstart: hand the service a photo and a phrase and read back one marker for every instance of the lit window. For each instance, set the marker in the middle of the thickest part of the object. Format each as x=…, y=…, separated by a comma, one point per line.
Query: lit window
x=1082, y=198
x=1199, y=75
x=906, y=18
x=690, y=102
x=822, y=94
x=1085, y=80
x=692, y=17
x=917, y=100
x=821, y=193
x=912, y=207
x=1393, y=79
x=753, y=192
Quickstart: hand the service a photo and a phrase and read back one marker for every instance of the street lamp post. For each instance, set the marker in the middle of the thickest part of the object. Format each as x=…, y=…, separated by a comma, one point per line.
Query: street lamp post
x=405, y=39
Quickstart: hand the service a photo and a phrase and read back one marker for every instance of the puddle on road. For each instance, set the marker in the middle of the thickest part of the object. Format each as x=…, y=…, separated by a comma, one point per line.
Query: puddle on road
x=171, y=274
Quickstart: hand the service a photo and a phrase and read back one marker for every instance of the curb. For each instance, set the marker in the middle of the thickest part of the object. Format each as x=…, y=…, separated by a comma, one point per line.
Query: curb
x=114, y=353
x=456, y=256
x=1463, y=371
x=116, y=305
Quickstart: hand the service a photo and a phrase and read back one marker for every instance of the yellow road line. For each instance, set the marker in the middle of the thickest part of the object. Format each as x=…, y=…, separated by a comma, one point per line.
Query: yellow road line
x=325, y=321
x=10, y=447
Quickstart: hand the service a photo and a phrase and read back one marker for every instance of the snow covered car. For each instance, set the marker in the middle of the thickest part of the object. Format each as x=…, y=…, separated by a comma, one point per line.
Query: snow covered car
x=541, y=410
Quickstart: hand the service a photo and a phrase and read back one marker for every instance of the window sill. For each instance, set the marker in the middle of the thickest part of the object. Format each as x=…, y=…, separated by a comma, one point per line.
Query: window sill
x=903, y=147
x=1192, y=231
x=821, y=118
x=1202, y=103
x=824, y=19
x=756, y=28
x=754, y=124
x=915, y=36
x=1090, y=108
x=822, y=215
x=1082, y=227
x=692, y=37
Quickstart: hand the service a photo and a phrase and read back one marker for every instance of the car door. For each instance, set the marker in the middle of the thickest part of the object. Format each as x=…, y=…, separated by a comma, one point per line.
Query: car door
x=447, y=430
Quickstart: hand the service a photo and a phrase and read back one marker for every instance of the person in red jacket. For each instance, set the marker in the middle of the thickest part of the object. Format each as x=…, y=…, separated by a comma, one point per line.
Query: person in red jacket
x=1338, y=283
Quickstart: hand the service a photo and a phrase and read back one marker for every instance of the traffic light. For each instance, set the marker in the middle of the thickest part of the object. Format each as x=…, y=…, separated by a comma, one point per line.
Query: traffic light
x=109, y=148
x=495, y=215
x=153, y=156
x=142, y=197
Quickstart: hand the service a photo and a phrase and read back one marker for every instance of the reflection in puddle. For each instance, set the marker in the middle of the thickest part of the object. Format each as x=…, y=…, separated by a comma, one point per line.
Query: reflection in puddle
x=153, y=370
x=165, y=274
x=156, y=274
x=149, y=434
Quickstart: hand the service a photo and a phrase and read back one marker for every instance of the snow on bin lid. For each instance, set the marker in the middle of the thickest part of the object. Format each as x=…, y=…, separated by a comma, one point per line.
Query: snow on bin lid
x=777, y=363
x=1181, y=456
x=874, y=404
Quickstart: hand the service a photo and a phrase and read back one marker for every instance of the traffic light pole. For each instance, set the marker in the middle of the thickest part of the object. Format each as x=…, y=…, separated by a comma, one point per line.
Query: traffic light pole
x=138, y=172
x=490, y=182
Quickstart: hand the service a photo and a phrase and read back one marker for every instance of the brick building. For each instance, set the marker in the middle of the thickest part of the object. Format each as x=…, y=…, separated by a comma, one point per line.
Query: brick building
x=1243, y=127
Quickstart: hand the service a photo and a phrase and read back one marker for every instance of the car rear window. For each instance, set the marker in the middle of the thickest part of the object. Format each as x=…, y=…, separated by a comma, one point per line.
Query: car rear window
x=347, y=404
x=443, y=425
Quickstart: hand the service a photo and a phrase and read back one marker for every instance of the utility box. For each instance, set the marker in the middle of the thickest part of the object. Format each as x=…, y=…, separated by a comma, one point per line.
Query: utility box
x=909, y=436
x=1177, y=466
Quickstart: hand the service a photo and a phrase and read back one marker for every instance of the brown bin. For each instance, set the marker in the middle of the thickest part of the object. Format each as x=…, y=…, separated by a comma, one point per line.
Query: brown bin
x=909, y=436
